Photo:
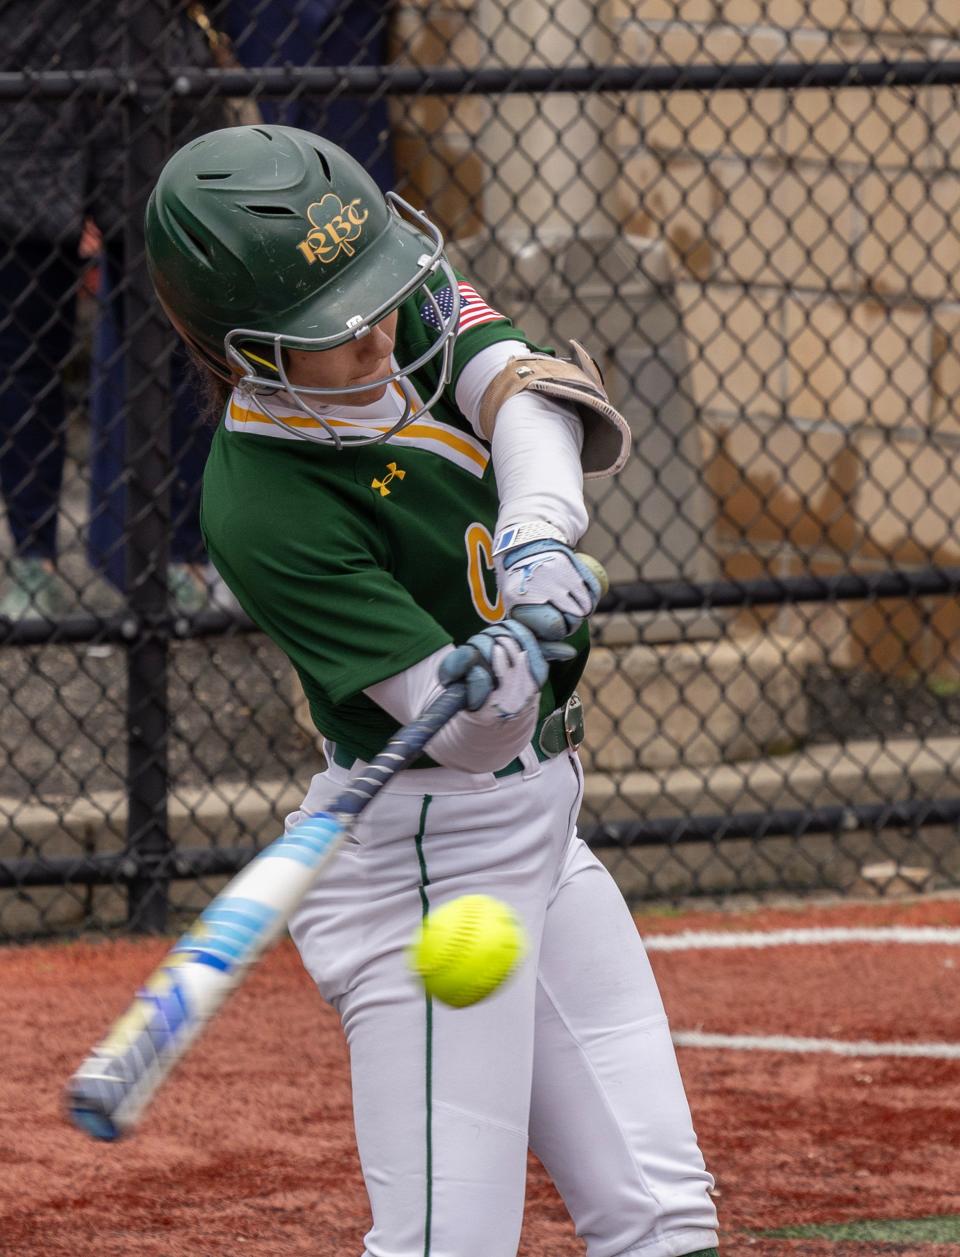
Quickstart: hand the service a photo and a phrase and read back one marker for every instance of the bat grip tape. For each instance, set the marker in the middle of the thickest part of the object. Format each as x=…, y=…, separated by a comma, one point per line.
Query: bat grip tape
x=401, y=751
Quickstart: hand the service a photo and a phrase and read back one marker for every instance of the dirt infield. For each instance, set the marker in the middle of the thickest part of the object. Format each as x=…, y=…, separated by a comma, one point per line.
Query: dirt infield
x=249, y=1150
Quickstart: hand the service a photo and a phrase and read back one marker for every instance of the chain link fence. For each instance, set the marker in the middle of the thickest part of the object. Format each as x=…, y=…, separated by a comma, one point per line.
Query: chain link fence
x=747, y=209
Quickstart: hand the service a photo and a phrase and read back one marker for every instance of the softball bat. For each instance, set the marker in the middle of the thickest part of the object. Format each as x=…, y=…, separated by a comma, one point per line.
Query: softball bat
x=110, y=1090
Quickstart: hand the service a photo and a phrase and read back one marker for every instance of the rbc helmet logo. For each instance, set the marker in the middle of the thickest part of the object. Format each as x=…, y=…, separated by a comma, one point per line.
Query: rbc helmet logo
x=333, y=227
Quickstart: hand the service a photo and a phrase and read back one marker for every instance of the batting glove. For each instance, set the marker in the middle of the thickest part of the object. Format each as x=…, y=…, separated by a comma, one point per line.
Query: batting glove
x=504, y=668
x=545, y=585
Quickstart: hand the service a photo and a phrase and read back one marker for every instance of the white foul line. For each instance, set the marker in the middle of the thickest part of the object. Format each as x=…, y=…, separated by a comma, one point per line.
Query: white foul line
x=691, y=940
x=786, y=1043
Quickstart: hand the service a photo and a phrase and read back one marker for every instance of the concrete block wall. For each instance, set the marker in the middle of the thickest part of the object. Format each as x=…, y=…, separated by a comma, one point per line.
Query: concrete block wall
x=813, y=245
x=434, y=136
x=815, y=239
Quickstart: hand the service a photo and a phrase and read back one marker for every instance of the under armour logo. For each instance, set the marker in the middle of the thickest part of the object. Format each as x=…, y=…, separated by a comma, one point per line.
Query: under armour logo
x=393, y=473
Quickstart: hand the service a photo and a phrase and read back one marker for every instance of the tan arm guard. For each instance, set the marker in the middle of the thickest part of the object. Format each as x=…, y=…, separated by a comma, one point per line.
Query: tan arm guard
x=606, y=435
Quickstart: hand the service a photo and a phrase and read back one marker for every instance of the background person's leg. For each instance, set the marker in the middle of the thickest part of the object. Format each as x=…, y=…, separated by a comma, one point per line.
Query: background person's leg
x=190, y=440
x=37, y=318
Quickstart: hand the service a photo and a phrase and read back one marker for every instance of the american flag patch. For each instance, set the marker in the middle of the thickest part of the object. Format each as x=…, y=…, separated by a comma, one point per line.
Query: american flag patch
x=473, y=309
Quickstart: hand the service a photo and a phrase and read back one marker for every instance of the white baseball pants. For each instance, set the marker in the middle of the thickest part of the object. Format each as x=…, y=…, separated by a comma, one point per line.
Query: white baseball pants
x=571, y=1057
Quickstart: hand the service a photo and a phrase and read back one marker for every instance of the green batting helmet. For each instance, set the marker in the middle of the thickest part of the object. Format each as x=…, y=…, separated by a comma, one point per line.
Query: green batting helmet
x=261, y=238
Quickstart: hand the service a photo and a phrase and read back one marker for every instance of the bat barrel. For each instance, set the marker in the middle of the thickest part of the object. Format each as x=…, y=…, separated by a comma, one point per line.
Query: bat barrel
x=109, y=1090
x=114, y=1084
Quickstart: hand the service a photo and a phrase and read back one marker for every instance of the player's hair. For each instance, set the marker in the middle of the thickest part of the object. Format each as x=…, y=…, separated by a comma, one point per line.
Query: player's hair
x=213, y=391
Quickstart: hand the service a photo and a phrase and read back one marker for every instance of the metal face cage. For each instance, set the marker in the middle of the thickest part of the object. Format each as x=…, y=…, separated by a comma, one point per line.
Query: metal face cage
x=317, y=401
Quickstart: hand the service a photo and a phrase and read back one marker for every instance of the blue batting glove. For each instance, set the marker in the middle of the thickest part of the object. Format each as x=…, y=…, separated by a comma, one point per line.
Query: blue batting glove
x=547, y=587
x=504, y=668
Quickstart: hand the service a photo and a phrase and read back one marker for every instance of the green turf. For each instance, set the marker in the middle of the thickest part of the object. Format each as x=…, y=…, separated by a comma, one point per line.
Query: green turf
x=944, y=1230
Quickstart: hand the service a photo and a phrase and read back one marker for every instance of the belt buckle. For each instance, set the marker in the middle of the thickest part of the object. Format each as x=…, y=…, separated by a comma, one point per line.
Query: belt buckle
x=562, y=730
x=573, y=721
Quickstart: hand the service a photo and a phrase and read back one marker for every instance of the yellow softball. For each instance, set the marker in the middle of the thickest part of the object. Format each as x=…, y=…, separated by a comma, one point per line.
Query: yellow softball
x=466, y=948
x=597, y=568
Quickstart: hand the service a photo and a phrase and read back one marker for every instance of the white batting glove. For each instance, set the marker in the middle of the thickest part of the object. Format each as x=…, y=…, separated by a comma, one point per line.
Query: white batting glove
x=544, y=583
x=504, y=669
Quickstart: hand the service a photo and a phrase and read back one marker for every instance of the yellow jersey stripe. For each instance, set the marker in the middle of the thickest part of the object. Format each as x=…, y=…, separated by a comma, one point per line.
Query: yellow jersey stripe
x=422, y=430
x=425, y=430
x=241, y=414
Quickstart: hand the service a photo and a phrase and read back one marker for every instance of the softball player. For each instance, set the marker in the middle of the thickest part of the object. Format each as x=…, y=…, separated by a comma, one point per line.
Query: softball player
x=398, y=470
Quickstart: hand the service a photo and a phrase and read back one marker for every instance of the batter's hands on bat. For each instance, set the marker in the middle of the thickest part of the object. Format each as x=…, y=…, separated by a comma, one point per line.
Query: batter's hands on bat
x=547, y=587
x=504, y=669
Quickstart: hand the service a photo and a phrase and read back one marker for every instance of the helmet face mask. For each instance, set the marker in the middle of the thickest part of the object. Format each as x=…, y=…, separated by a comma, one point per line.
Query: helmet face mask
x=266, y=385
x=266, y=238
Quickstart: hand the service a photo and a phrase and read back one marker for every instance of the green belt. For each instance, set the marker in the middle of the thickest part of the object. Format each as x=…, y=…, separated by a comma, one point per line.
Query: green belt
x=561, y=730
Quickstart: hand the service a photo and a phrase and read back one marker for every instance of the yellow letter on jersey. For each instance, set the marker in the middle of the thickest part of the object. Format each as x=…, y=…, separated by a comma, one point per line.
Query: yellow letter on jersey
x=479, y=545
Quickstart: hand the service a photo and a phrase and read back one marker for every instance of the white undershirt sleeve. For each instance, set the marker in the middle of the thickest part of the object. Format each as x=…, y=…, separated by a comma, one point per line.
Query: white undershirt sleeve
x=479, y=373
x=466, y=743
x=535, y=448
x=536, y=457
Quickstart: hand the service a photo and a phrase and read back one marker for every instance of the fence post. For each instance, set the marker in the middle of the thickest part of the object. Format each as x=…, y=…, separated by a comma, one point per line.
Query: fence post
x=147, y=517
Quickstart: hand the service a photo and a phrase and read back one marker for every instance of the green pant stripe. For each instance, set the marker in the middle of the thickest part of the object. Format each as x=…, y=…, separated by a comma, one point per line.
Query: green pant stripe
x=428, y=1088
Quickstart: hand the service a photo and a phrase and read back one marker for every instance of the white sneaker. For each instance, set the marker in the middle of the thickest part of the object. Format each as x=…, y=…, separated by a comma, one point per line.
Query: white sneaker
x=33, y=590
x=187, y=588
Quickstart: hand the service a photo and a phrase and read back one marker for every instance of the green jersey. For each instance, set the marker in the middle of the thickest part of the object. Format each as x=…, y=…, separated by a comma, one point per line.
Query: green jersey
x=362, y=561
